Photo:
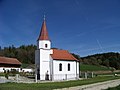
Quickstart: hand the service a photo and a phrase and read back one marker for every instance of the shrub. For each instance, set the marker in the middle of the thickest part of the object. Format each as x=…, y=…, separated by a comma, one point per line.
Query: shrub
x=6, y=75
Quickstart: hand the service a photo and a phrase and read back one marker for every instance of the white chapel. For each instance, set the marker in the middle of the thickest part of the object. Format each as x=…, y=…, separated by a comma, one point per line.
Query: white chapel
x=54, y=64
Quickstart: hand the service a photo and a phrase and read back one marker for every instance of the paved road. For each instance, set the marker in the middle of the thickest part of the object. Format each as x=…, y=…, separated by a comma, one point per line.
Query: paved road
x=3, y=80
x=96, y=86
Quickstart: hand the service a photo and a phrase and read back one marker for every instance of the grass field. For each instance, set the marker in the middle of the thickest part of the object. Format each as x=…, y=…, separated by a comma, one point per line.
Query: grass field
x=53, y=85
x=84, y=67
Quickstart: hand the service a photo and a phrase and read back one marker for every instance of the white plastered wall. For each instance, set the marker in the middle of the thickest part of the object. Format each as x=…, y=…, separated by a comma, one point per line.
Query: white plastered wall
x=65, y=74
x=41, y=44
x=44, y=63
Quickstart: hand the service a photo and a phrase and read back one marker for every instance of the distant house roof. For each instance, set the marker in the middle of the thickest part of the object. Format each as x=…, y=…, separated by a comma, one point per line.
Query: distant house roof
x=62, y=55
x=13, y=61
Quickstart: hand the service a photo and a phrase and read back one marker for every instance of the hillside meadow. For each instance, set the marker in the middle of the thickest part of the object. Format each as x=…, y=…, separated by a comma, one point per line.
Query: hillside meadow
x=84, y=67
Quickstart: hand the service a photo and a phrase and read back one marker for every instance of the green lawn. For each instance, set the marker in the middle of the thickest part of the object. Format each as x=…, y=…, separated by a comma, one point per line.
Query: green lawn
x=84, y=67
x=53, y=85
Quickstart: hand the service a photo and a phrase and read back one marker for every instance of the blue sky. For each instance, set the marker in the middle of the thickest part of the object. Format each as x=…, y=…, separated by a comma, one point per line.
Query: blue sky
x=83, y=27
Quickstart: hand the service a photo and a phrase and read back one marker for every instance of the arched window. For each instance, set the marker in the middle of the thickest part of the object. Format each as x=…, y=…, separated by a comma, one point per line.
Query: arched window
x=60, y=67
x=46, y=45
x=68, y=67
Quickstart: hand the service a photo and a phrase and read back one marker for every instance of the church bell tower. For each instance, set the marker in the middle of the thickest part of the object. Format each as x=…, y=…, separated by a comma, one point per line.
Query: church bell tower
x=42, y=54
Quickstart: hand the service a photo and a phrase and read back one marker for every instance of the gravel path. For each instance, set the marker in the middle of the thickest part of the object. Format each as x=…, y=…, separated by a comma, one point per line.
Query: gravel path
x=95, y=86
x=3, y=80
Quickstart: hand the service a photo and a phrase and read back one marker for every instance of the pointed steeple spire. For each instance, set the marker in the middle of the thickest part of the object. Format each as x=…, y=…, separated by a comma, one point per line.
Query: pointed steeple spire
x=44, y=33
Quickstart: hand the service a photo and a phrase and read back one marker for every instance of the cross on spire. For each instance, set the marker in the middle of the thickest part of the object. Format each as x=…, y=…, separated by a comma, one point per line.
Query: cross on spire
x=44, y=17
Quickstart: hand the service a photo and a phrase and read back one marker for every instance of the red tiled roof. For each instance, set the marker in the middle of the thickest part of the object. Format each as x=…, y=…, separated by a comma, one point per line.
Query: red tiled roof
x=62, y=55
x=44, y=33
x=5, y=60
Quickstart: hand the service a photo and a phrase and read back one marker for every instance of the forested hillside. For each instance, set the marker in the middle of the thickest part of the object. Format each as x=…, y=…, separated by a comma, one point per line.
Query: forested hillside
x=106, y=59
